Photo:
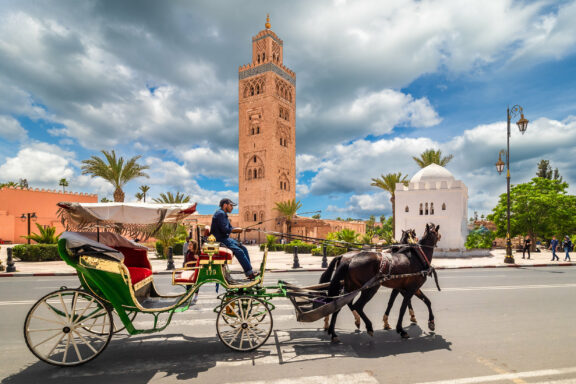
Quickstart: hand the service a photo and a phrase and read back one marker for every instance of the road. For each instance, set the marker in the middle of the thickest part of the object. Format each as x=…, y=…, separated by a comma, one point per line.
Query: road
x=492, y=325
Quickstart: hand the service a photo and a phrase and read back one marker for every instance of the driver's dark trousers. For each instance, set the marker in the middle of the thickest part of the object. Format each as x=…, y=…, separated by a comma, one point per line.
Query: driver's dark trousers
x=241, y=254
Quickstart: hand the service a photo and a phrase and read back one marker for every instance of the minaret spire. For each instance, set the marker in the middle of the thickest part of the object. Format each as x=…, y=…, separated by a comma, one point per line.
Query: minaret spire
x=267, y=25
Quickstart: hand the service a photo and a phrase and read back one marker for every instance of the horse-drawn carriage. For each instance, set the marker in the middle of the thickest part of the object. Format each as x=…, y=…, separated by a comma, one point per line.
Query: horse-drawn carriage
x=72, y=326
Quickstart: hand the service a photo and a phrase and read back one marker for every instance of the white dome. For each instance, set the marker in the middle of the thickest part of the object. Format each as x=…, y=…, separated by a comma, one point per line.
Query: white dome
x=433, y=172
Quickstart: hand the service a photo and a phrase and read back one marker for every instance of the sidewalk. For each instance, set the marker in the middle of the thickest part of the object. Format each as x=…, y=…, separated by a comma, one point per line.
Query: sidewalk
x=280, y=261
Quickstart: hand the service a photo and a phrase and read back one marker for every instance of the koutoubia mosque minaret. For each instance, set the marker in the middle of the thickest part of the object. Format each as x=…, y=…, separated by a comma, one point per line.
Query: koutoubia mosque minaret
x=267, y=133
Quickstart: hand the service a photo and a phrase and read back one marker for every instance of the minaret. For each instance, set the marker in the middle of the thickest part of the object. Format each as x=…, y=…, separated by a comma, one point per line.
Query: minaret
x=267, y=134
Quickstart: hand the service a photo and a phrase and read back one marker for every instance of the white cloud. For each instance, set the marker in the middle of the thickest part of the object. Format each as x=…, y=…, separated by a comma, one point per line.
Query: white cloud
x=363, y=205
x=40, y=163
x=11, y=130
x=221, y=163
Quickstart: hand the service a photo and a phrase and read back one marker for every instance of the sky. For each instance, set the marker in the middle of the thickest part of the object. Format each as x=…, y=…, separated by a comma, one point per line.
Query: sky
x=376, y=84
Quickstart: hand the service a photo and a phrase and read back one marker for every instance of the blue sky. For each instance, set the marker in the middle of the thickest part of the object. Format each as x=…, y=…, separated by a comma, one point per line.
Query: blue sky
x=377, y=83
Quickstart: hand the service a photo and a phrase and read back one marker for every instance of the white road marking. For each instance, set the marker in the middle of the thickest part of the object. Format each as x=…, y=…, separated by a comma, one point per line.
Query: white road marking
x=356, y=378
x=511, y=376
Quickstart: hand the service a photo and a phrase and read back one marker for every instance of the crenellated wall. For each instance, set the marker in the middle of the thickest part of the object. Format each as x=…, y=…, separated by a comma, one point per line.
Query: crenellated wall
x=14, y=202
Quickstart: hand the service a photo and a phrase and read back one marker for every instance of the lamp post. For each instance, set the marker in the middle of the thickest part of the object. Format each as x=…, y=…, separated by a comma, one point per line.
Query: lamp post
x=522, y=126
x=28, y=216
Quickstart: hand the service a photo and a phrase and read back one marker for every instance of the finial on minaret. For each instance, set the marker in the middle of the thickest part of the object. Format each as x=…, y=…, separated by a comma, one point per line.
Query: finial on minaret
x=267, y=25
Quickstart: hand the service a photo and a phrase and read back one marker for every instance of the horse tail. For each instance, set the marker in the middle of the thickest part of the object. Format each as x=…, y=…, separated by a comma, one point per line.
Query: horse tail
x=436, y=279
x=335, y=283
x=327, y=275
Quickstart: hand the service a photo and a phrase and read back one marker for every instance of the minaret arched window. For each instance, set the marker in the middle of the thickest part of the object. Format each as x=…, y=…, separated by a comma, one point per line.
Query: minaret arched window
x=263, y=57
x=247, y=216
x=255, y=217
x=255, y=174
x=258, y=58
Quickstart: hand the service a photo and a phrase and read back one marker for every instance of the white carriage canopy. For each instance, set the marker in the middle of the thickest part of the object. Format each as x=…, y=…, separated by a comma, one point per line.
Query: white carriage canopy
x=137, y=220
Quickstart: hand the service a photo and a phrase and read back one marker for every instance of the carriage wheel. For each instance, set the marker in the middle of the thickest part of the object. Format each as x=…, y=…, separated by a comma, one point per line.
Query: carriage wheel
x=68, y=327
x=118, y=325
x=244, y=323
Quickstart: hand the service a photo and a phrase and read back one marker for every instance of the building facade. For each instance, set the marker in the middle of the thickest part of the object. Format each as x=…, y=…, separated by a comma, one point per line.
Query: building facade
x=39, y=203
x=434, y=195
x=267, y=134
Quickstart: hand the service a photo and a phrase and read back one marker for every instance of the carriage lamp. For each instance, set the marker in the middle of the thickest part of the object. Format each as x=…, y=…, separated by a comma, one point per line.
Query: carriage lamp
x=28, y=216
x=522, y=126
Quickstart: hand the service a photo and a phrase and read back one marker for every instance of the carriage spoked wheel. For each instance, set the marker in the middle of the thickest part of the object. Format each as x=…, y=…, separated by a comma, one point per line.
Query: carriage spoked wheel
x=68, y=327
x=118, y=325
x=244, y=323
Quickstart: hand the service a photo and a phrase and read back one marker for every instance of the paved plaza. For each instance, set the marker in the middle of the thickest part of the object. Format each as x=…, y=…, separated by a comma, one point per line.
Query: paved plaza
x=281, y=261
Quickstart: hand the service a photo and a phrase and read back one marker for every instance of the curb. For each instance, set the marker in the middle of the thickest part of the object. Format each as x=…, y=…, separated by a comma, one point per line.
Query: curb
x=563, y=264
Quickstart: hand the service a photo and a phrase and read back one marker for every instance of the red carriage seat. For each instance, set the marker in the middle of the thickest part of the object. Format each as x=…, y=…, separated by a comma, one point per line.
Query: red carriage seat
x=136, y=260
x=224, y=256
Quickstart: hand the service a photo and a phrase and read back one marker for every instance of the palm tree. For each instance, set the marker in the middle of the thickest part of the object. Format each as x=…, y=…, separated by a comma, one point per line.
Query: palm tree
x=169, y=198
x=63, y=183
x=45, y=235
x=431, y=156
x=388, y=183
x=139, y=196
x=144, y=189
x=114, y=170
x=288, y=210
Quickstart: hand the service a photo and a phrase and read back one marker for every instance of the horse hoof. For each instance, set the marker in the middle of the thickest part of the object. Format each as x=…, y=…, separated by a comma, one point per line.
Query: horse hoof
x=371, y=333
x=413, y=320
x=404, y=335
x=387, y=327
x=431, y=326
x=357, y=323
x=335, y=339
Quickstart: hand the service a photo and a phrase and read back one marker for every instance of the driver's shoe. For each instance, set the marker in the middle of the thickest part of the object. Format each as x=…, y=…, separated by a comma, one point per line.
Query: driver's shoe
x=253, y=275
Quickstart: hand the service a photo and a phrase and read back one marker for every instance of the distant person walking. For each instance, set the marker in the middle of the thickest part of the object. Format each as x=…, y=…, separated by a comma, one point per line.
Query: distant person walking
x=527, y=243
x=567, y=245
x=553, y=246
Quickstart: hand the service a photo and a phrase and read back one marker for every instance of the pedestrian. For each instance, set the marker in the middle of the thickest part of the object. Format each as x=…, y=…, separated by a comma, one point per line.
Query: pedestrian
x=527, y=243
x=567, y=245
x=553, y=246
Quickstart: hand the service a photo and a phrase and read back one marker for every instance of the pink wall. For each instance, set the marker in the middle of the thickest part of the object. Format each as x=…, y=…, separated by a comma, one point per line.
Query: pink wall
x=14, y=202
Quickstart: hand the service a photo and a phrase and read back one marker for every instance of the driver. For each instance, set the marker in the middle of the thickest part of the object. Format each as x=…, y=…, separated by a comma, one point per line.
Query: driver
x=221, y=229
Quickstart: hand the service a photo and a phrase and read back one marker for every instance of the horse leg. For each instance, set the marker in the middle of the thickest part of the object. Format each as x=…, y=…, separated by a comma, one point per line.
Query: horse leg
x=356, y=316
x=411, y=312
x=332, y=328
x=326, y=323
x=358, y=306
x=399, y=329
x=419, y=294
x=393, y=296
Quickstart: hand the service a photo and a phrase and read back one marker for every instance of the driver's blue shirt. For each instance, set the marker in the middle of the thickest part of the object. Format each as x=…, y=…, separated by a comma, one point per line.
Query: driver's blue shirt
x=220, y=227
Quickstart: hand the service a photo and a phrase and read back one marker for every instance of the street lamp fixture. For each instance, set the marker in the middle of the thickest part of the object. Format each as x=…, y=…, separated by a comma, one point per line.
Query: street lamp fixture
x=522, y=126
x=28, y=216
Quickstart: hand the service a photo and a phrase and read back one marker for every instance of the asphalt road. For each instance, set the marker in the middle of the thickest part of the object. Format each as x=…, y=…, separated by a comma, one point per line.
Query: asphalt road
x=492, y=325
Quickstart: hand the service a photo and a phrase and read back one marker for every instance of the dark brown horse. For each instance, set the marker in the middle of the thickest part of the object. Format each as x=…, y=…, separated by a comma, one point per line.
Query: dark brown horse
x=369, y=266
x=408, y=237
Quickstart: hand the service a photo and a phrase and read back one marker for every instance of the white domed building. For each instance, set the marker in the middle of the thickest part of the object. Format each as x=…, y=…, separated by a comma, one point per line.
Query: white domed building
x=434, y=195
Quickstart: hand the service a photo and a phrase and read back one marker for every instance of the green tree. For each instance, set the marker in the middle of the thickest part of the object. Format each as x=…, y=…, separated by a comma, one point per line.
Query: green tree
x=316, y=216
x=105, y=200
x=480, y=238
x=114, y=170
x=545, y=171
x=169, y=234
x=169, y=198
x=431, y=156
x=139, y=196
x=287, y=210
x=45, y=235
x=12, y=184
x=388, y=183
x=23, y=183
x=540, y=208
x=144, y=190
x=63, y=183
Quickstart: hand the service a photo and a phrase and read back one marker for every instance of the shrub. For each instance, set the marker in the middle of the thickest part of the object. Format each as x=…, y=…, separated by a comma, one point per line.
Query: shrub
x=36, y=252
x=177, y=248
x=273, y=247
x=480, y=238
x=302, y=247
x=330, y=251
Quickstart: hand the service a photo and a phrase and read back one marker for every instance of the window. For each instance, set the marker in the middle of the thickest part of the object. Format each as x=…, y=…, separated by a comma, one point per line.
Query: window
x=406, y=209
x=426, y=208
x=443, y=206
x=255, y=217
x=421, y=210
x=258, y=130
x=263, y=57
x=254, y=158
x=431, y=208
x=247, y=216
x=255, y=174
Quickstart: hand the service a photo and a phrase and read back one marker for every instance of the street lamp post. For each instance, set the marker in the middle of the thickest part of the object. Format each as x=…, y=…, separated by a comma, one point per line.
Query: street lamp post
x=28, y=216
x=522, y=126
